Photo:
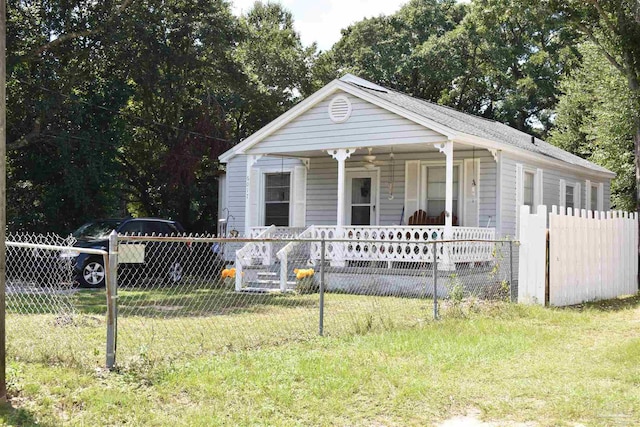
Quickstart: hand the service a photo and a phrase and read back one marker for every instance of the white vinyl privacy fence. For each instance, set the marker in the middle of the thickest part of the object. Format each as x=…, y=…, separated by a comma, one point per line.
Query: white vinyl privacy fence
x=581, y=256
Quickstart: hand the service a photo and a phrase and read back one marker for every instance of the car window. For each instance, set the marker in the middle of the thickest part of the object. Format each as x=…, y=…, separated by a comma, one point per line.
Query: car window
x=157, y=228
x=132, y=227
x=173, y=229
x=96, y=229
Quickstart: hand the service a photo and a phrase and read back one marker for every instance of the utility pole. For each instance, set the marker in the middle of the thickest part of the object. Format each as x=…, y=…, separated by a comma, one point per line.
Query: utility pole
x=3, y=196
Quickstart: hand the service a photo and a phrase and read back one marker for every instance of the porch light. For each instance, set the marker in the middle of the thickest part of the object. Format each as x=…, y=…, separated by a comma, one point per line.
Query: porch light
x=473, y=181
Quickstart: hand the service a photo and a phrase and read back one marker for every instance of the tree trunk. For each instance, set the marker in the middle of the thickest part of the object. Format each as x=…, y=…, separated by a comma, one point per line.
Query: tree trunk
x=636, y=141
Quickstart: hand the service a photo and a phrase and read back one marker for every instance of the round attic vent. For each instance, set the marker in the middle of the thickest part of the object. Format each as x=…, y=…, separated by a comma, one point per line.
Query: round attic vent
x=339, y=109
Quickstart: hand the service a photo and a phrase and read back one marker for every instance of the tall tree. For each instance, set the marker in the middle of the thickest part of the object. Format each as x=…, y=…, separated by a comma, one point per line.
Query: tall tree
x=595, y=120
x=497, y=58
x=177, y=55
x=390, y=49
x=276, y=68
x=62, y=133
x=614, y=27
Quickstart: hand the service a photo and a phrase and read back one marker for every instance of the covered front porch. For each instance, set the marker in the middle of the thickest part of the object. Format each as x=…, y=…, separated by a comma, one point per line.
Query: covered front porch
x=437, y=184
x=381, y=206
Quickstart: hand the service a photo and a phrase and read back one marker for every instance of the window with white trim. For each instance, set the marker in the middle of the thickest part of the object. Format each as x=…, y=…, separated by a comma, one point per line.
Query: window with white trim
x=529, y=189
x=593, y=203
x=277, y=191
x=436, y=190
x=569, y=196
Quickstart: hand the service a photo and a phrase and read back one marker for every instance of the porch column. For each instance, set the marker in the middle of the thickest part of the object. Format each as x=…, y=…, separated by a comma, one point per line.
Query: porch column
x=341, y=155
x=447, y=149
x=250, y=199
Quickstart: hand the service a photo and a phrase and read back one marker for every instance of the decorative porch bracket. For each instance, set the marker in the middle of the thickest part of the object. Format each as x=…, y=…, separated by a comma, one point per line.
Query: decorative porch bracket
x=341, y=155
x=494, y=152
x=447, y=149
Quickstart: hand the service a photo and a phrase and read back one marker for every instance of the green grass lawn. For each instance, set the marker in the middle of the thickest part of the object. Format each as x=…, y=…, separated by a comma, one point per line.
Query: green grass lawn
x=384, y=363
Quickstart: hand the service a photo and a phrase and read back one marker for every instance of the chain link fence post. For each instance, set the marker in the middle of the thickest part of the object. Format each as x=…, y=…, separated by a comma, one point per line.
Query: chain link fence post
x=322, y=257
x=512, y=287
x=435, y=280
x=111, y=291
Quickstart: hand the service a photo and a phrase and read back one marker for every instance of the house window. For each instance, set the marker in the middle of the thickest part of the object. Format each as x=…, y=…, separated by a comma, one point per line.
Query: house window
x=594, y=198
x=436, y=190
x=568, y=199
x=529, y=185
x=276, y=199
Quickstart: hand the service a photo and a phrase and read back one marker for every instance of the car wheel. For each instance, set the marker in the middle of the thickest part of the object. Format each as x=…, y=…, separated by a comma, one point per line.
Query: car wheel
x=175, y=273
x=93, y=274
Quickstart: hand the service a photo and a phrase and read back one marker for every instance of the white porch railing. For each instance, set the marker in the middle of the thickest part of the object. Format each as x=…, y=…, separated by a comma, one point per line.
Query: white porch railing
x=263, y=252
x=283, y=255
x=253, y=250
x=366, y=243
x=400, y=243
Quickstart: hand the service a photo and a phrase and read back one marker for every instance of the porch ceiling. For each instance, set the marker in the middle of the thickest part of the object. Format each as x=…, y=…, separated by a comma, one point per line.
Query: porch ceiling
x=376, y=150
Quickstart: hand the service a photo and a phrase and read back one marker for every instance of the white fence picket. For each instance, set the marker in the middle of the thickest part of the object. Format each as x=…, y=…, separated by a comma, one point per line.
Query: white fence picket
x=532, y=260
x=592, y=256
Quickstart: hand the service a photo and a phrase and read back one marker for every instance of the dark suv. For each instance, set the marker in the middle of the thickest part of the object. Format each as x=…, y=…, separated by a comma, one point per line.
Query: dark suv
x=158, y=258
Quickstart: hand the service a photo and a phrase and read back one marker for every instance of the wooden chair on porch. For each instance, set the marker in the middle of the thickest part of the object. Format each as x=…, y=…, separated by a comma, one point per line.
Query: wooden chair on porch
x=420, y=217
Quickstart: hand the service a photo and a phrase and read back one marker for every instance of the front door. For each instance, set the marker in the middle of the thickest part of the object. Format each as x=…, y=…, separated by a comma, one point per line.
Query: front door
x=362, y=197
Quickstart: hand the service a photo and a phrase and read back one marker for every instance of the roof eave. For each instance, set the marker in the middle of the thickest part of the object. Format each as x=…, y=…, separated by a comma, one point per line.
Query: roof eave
x=507, y=148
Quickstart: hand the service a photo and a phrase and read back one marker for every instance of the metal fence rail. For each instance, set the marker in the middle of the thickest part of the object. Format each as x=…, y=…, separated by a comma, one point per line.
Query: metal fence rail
x=47, y=321
x=172, y=297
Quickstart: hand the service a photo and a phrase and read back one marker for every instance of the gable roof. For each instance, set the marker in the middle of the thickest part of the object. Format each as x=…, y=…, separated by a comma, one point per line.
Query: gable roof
x=478, y=126
x=448, y=121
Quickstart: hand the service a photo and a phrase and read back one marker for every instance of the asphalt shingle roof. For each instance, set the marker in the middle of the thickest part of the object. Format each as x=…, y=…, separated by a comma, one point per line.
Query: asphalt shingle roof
x=478, y=126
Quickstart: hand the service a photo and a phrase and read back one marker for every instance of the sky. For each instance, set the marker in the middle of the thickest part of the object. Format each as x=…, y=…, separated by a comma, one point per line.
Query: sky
x=322, y=20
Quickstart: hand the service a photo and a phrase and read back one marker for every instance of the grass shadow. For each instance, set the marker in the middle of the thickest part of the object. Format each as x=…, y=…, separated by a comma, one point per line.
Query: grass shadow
x=18, y=416
x=611, y=305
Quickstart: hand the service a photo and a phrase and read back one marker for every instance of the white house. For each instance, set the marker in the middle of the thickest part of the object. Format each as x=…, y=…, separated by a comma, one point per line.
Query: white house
x=357, y=160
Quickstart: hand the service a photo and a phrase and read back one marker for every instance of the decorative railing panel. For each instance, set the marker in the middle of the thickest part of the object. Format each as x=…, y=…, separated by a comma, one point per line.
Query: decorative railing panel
x=400, y=243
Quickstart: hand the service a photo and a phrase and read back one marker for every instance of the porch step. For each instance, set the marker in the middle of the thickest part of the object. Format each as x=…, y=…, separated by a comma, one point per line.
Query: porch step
x=271, y=282
x=257, y=290
x=268, y=274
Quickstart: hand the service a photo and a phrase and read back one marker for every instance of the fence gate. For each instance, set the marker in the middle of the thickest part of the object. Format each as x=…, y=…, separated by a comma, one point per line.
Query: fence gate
x=591, y=256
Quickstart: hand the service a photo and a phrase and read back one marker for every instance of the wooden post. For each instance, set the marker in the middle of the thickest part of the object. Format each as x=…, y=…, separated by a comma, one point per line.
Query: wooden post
x=3, y=196
x=111, y=265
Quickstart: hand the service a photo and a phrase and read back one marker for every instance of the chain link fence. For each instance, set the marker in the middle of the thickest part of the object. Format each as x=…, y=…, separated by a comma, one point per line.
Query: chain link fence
x=47, y=320
x=186, y=296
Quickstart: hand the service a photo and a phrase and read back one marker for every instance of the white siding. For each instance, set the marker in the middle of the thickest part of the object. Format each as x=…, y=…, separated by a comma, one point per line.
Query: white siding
x=550, y=190
x=508, y=193
x=236, y=179
x=369, y=125
x=322, y=186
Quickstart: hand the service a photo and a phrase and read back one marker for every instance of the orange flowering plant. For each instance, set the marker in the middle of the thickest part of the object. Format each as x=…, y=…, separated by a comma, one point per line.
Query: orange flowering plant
x=228, y=277
x=229, y=273
x=305, y=283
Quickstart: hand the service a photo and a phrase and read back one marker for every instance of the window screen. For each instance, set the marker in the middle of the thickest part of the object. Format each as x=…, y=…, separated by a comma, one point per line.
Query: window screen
x=436, y=185
x=569, y=196
x=594, y=198
x=529, y=179
x=276, y=199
